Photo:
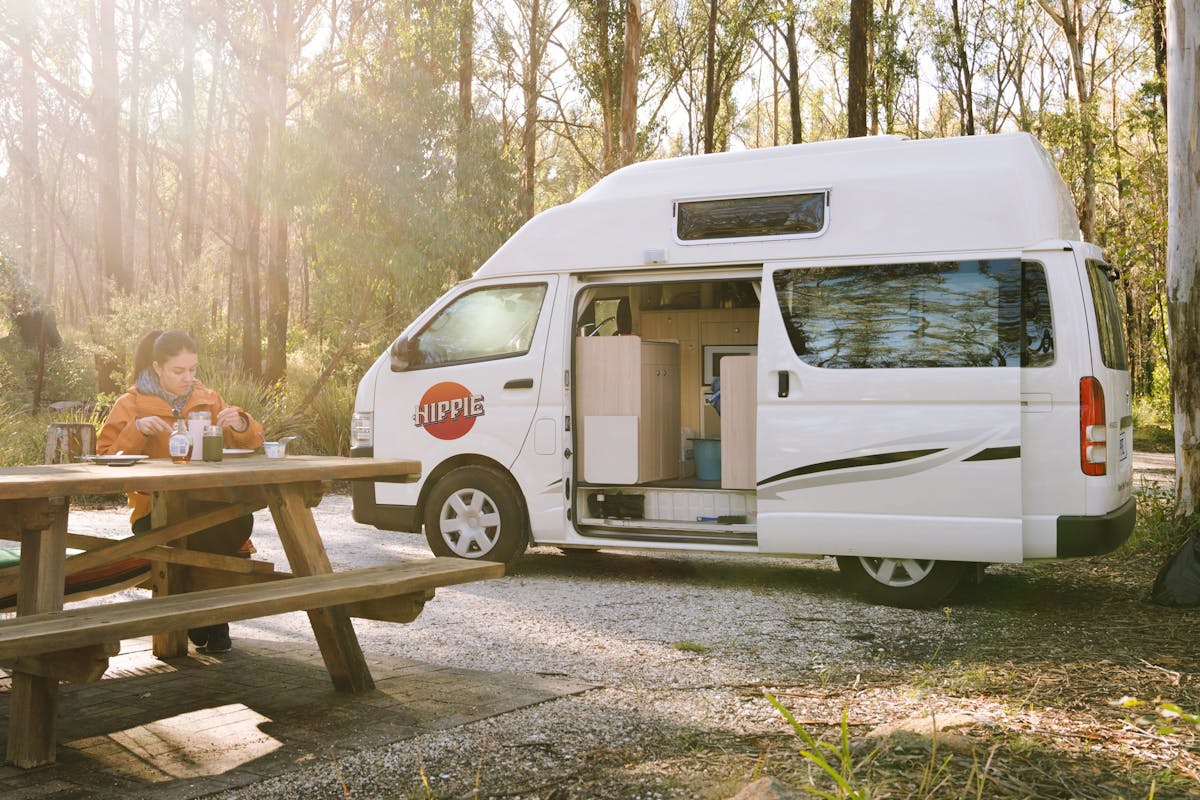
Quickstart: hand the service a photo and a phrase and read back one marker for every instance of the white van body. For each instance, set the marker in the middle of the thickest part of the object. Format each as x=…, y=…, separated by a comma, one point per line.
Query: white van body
x=928, y=370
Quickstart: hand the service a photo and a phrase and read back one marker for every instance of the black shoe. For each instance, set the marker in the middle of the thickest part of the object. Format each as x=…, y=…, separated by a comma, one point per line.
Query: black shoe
x=199, y=636
x=218, y=639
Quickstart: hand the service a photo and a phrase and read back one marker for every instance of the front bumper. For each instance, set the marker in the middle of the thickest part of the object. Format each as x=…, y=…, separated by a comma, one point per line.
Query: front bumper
x=367, y=511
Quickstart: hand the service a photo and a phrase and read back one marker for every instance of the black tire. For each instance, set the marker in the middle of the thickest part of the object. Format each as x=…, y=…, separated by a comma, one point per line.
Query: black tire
x=902, y=582
x=476, y=513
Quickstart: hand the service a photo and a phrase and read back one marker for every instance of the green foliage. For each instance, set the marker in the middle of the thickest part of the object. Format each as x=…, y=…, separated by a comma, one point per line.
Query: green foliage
x=1164, y=717
x=24, y=439
x=392, y=220
x=836, y=761
x=1158, y=532
x=325, y=424
x=68, y=373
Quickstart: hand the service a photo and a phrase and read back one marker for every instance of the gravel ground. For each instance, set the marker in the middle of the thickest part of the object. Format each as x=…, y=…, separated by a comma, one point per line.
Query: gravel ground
x=677, y=645
x=680, y=649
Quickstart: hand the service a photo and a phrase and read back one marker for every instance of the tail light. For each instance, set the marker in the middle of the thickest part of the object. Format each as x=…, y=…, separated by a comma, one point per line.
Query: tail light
x=1093, y=431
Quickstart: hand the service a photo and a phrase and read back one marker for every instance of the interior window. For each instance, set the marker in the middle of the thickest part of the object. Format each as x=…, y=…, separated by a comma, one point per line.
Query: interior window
x=606, y=317
x=496, y=322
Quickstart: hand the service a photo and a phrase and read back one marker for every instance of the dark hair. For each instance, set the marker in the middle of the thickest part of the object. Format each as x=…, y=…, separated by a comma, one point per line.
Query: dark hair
x=158, y=346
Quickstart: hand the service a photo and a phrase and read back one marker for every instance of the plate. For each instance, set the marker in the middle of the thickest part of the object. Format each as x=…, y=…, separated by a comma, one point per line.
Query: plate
x=122, y=460
x=236, y=452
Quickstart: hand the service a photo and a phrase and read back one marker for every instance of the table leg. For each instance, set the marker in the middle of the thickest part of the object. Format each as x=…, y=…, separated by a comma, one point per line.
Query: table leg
x=33, y=708
x=306, y=554
x=165, y=508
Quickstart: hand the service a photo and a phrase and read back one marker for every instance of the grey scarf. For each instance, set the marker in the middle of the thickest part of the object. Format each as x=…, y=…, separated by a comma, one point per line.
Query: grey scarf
x=147, y=383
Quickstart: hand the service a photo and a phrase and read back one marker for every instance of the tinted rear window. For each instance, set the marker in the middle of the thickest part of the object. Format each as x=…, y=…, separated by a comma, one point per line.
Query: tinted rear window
x=991, y=313
x=1108, y=317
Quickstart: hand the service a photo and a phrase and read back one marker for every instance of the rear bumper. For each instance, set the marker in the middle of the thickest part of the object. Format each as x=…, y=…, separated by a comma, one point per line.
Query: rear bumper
x=367, y=511
x=1093, y=536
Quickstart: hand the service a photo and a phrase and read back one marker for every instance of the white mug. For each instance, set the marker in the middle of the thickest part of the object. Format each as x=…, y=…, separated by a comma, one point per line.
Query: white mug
x=197, y=420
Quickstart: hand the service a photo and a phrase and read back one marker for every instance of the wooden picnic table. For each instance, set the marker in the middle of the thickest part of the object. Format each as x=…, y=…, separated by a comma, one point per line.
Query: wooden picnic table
x=191, y=588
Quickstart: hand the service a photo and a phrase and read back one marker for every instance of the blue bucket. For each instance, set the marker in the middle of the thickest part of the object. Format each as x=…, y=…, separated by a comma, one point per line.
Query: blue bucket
x=708, y=459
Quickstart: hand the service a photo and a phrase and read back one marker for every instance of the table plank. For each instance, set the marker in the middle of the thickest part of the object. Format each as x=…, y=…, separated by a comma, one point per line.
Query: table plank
x=64, y=480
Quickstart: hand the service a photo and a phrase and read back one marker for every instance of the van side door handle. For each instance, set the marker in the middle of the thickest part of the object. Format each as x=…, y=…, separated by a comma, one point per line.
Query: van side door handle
x=520, y=383
x=785, y=383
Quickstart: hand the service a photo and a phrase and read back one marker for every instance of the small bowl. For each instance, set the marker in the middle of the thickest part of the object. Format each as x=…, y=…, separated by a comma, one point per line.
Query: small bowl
x=275, y=449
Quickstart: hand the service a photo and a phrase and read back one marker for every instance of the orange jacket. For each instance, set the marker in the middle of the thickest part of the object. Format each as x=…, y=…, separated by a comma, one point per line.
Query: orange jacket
x=120, y=434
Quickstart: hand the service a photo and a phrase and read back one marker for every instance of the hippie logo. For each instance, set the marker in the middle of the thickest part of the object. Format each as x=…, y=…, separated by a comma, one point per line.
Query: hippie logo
x=448, y=410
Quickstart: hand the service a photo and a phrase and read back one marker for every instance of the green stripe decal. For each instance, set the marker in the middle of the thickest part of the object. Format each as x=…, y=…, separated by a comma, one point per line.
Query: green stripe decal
x=851, y=463
x=1126, y=422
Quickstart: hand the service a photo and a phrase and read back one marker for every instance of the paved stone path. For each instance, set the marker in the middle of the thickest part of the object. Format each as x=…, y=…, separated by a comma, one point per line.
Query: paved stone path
x=1153, y=470
x=192, y=726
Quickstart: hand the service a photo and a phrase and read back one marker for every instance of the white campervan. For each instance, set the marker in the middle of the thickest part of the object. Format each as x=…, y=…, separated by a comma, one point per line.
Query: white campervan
x=894, y=352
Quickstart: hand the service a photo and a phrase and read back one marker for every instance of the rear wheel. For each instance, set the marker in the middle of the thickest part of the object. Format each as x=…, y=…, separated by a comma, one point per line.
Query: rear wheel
x=475, y=512
x=902, y=582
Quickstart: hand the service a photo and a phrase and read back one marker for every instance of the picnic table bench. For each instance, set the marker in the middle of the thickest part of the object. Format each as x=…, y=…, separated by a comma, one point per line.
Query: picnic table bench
x=191, y=588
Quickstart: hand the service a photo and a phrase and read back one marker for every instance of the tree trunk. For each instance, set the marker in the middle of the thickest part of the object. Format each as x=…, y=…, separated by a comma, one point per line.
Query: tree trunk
x=131, y=170
x=1183, y=246
x=856, y=94
x=711, y=99
x=466, y=106
x=34, y=225
x=1158, y=31
x=275, y=363
x=631, y=68
x=530, y=89
x=793, y=59
x=187, y=136
x=965, y=76
x=1071, y=21
x=251, y=316
x=108, y=151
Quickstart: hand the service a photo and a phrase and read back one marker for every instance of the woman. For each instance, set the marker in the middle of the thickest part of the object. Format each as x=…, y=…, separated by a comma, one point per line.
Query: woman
x=165, y=388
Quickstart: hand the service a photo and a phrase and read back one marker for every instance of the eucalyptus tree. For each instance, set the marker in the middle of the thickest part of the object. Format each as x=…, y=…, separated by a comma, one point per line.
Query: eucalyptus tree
x=1183, y=245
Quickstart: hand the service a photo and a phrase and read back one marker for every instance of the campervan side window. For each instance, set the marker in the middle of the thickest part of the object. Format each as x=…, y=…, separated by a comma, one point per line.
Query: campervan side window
x=990, y=313
x=495, y=322
x=748, y=217
x=1108, y=318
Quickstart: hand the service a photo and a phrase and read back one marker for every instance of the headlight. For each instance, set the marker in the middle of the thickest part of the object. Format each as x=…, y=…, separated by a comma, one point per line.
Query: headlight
x=362, y=429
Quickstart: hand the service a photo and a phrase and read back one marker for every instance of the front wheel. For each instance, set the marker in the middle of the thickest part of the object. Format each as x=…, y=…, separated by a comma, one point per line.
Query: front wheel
x=902, y=582
x=475, y=512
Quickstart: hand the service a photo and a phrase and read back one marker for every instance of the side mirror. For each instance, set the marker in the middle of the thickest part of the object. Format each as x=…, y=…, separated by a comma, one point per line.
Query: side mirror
x=401, y=354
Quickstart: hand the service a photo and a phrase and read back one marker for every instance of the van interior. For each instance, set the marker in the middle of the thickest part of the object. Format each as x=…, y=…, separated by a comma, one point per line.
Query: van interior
x=664, y=378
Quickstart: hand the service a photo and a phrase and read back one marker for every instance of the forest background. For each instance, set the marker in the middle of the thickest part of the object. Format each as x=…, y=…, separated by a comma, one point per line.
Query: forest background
x=293, y=180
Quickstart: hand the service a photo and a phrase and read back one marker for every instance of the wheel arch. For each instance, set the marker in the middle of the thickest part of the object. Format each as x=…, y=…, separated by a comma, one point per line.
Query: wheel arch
x=470, y=460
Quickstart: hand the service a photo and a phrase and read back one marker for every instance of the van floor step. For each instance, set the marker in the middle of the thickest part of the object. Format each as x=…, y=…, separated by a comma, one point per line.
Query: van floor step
x=713, y=536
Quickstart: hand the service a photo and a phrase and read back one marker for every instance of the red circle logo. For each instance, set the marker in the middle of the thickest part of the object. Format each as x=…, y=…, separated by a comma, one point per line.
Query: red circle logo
x=448, y=410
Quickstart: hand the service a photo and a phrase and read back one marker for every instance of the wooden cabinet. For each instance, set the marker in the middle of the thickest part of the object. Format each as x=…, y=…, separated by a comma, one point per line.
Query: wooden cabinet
x=739, y=412
x=627, y=404
x=683, y=327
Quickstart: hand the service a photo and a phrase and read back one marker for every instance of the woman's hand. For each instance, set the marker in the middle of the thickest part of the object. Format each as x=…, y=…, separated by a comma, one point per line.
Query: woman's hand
x=148, y=426
x=231, y=417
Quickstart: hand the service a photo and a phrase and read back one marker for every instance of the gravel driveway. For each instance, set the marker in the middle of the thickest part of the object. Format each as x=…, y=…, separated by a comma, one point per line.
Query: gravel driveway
x=679, y=648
